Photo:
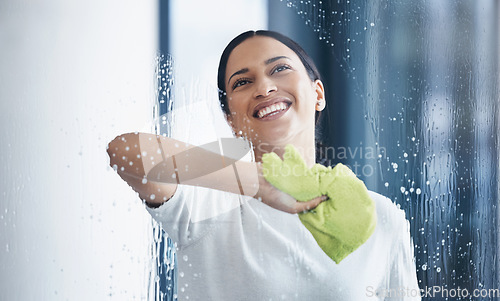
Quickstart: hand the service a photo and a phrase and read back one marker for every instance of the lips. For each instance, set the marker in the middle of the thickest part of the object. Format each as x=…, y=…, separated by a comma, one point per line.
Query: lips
x=270, y=108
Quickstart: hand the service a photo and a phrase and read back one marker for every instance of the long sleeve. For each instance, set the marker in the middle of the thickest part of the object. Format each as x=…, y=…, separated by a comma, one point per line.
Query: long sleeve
x=403, y=274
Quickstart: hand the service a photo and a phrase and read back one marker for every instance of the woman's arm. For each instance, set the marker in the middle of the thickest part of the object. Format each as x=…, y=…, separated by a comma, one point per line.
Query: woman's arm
x=153, y=165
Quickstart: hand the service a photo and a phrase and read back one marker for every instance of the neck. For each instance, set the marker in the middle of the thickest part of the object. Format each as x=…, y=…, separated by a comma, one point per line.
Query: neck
x=305, y=145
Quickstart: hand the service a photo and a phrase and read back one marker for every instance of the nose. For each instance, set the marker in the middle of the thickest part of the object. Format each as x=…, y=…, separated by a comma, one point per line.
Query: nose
x=264, y=87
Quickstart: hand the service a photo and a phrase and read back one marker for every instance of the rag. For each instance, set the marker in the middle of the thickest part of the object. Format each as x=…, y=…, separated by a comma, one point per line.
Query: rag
x=340, y=224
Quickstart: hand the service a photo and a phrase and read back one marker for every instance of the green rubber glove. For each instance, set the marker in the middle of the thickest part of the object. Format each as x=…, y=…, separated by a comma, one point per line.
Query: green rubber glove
x=340, y=224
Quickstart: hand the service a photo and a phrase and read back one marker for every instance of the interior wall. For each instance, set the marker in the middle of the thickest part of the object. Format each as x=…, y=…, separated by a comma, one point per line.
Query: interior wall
x=74, y=75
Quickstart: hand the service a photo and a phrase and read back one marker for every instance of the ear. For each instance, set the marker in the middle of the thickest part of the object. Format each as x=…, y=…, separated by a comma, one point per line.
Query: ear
x=320, y=95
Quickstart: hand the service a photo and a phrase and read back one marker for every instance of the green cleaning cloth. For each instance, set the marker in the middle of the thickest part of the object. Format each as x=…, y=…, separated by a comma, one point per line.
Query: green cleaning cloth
x=340, y=224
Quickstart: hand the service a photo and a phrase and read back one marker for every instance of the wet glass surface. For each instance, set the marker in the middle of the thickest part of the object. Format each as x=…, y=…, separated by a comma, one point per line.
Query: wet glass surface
x=423, y=95
x=413, y=110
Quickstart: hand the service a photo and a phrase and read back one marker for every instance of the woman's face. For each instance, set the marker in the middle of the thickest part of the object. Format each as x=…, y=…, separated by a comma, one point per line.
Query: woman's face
x=270, y=95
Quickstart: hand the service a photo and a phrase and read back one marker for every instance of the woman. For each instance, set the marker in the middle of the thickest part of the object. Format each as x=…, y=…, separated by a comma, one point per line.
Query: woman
x=231, y=245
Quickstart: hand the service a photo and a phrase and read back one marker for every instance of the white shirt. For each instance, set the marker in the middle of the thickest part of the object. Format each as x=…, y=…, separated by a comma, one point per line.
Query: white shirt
x=233, y=247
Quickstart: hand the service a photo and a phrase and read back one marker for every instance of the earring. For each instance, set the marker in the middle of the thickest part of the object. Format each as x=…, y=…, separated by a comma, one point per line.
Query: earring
x=319, y=105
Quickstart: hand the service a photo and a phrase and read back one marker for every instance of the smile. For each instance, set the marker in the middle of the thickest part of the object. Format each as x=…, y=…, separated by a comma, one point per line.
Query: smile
x=272, y=111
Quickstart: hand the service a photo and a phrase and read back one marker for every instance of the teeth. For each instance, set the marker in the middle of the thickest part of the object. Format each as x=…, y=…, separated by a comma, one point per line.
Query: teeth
x=271, y=109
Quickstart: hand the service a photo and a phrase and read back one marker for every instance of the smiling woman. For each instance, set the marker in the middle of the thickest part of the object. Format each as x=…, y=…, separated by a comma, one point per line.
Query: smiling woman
x=286, y=64
x=239, y=236
x=271, y=98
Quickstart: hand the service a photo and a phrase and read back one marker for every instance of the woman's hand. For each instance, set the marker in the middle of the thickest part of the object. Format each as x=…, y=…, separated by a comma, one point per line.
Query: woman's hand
x=277, y=199
x=126, y=153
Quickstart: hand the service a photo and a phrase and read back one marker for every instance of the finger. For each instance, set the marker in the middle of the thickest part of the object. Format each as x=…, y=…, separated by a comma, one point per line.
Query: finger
x=309, y=205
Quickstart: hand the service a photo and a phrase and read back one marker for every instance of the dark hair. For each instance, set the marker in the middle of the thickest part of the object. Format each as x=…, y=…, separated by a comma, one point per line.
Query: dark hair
x=306, y=60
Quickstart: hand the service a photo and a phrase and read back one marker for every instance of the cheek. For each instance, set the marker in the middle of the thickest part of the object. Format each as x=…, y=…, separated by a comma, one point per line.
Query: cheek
x=238, y=104
x=234, y=108
x=307, y=104
x=232, y=104
x=307, y=95
x=238, y=113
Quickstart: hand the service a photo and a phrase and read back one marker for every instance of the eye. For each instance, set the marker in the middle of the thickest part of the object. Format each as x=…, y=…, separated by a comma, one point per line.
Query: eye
x=280, y=68
x=240, y=82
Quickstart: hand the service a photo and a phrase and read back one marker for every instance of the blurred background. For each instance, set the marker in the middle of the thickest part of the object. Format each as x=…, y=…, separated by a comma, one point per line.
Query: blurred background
x=413, y=108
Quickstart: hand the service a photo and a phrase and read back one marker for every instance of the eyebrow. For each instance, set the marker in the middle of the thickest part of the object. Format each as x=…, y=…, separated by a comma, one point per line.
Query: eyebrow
x=267, y=62
x=244, y=70
x=274, y=59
